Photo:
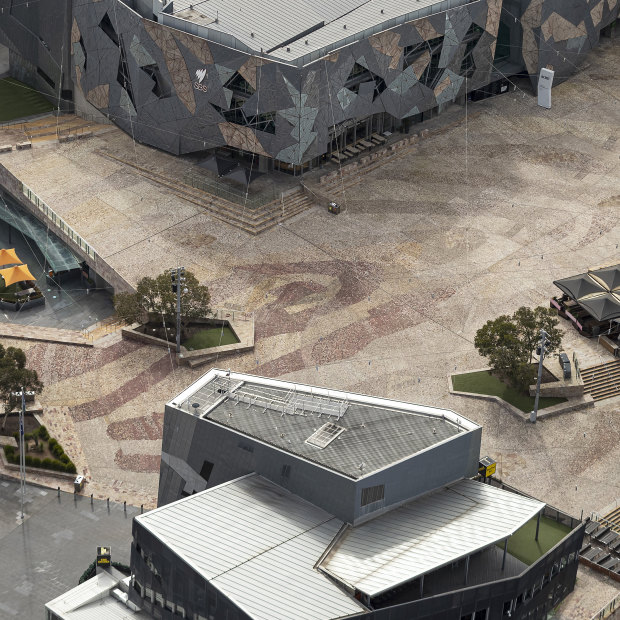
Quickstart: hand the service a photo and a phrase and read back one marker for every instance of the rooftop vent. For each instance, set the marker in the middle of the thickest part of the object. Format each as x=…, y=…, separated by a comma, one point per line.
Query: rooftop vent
x=323, y=436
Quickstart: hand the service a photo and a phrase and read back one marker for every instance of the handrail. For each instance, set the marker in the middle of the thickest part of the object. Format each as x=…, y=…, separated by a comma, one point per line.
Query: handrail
x=51, y=215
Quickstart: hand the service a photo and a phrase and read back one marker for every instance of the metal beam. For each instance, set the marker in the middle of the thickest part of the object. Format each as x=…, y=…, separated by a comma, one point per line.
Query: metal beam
x=505, y=549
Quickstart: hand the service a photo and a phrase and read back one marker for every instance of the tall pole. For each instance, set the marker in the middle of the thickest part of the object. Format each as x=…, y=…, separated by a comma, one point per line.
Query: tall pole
x=22, y=455
x=178, y=279
x=543, y=341
x=178, y=310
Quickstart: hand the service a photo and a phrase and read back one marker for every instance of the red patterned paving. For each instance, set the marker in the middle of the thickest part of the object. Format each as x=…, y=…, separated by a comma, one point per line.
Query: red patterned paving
x=144, y=427
x=124, y=393
x=143, y=463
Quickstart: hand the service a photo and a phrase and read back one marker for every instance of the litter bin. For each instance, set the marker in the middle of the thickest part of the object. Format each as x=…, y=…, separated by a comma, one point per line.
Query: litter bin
x=78, y=484
x=333, y=207
x=565, y=363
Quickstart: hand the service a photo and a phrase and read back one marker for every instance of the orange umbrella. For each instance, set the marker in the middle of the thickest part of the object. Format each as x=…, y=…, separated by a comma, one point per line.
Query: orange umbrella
x=8, y=257
x=16, y=274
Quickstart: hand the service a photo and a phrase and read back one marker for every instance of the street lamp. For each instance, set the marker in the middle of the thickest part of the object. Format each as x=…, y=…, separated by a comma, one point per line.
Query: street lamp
x=178, y=278
x=541, y=348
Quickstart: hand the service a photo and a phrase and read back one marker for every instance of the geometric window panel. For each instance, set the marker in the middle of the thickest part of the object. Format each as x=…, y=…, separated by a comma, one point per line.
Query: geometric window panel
x=323, y=436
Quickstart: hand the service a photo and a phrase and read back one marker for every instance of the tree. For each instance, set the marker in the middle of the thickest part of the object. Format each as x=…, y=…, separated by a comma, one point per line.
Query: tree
x=13, y=377
x=508, y=342
x=155, y=296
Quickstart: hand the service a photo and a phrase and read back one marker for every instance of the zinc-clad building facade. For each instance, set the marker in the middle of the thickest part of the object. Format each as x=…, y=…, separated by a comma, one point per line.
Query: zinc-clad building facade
x=183, y=78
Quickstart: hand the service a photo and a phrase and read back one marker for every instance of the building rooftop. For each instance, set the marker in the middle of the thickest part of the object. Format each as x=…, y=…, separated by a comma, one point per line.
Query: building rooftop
x=92, y=600
x=278, y=556
x=426, y=534
x=352, y=434
x=258, y=544
x=300, y=31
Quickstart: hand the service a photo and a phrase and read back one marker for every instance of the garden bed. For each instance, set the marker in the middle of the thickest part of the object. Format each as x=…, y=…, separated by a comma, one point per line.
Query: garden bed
x=42, y=451
x=484, y=382
x=11, y=300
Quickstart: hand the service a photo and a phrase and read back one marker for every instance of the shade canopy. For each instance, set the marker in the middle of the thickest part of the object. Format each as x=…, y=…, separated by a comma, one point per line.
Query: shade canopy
x=609, y=277
x=597, y=291
x=579, y=286
x=9, y=257
x=603, y=307
x=20, y=273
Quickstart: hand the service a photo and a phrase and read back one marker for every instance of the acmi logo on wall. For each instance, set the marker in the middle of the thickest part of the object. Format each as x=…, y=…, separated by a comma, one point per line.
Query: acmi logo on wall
x=200, y=75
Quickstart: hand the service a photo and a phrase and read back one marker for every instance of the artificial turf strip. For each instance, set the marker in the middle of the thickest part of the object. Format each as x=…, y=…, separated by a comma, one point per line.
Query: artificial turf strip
x=18, y=100
x=212, y=337
x=483, y=382
x=522, y=545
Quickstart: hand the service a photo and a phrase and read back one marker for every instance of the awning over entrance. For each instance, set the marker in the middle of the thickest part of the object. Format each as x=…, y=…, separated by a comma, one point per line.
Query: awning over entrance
x=57, y=254
x=597, y=291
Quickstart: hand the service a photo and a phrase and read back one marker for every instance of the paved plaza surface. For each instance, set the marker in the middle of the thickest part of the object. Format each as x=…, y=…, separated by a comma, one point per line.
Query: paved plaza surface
x=46, y=554
x=383, y=299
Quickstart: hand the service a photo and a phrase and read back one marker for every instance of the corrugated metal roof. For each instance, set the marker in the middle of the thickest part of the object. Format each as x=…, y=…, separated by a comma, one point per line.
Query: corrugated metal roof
x=258, y=544
x=92, y=600
x=426, y=534
x=82, y=594
x=378, y=432
x=259, y=25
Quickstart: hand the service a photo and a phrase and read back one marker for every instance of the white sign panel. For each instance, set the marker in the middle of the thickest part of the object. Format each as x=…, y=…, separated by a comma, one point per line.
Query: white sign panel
x=545, y=82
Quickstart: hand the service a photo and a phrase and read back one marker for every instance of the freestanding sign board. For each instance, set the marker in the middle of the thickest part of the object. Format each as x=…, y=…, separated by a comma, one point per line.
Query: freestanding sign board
x=545, y=82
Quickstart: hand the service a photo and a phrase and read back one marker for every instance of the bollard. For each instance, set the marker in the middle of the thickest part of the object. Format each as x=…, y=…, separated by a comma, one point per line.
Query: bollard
x=125, y=505
x=108, y=503
x=141, y=508
x=91, y=499
x=58, y=491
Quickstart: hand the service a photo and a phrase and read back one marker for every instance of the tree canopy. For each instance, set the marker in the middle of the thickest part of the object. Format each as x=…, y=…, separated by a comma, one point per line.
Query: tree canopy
x=14, y=376
x=508, y=342
x=155, y=296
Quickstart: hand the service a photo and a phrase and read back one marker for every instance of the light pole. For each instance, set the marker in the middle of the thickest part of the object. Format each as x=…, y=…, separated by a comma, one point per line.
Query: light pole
x=22, y=452
x=178, y=278
x=543, y=342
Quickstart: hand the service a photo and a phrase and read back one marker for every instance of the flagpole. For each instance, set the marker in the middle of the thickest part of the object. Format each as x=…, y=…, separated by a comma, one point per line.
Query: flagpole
x=22, y=455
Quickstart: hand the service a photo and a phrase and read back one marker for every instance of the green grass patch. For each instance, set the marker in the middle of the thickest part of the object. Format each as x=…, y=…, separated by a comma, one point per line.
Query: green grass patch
x=8, y=293
x=211, y=337
x=522, y=545
x=18, y=100
x=483, y=382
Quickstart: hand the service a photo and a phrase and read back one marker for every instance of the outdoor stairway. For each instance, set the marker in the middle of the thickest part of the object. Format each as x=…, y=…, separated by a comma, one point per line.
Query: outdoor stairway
x=50, y=127
x=613, y=518
x=252, y=221
x=602, y=381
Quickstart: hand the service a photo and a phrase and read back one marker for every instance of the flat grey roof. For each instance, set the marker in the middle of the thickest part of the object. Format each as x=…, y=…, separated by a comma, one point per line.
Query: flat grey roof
x=258, y=544
x=377, y=432
x=303, y=30
x=426, y=534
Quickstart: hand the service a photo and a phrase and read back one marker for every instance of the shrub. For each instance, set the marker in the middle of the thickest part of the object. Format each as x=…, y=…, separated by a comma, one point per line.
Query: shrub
x=64, y=458
x=70, y=468
x=28, y=460
x=57, y=451
x=51, y=443
x=42, y=432
x=9, y=453
x=47, y=463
